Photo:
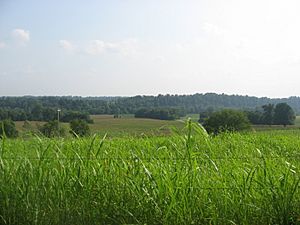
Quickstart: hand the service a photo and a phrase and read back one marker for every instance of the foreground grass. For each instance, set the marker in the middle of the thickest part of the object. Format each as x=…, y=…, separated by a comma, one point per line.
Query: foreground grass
x=189, y=178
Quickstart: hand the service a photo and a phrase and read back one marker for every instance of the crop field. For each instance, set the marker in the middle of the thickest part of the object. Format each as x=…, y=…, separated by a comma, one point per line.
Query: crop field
x=188, y=177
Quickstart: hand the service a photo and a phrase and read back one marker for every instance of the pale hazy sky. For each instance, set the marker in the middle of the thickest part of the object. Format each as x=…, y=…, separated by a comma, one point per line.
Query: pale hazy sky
x=130, y=47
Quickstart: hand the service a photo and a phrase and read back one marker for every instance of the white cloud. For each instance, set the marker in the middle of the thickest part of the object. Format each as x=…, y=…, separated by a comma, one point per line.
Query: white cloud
x=20, y=35
x=212, y=28
x=95, y=47
x=67, y=45
x=2, y=45
x=124, y=47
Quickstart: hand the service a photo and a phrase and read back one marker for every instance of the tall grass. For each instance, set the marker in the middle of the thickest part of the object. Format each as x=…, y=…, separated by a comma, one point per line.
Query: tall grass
x=187, y=178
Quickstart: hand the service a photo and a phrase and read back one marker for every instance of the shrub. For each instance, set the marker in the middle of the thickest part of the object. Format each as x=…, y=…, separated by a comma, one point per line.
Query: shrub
x=226, y=120
x=79, y=127
x=52, y=129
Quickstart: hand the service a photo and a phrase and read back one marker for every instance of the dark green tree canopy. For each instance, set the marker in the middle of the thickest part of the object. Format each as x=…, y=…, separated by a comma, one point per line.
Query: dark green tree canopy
x=79, y=127
x=8, y=128
x=159, y=113
x=284, y=114
x=45, y=108
x=226, y=120
x=268, y=114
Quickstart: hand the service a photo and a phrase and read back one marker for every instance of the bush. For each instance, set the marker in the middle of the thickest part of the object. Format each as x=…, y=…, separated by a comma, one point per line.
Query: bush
x=52, y=129
x=8, y=128
x=226, y=120
x=79, y=127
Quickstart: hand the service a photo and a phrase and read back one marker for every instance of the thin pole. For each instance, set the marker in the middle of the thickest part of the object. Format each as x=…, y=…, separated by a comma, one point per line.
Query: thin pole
x=58, y=111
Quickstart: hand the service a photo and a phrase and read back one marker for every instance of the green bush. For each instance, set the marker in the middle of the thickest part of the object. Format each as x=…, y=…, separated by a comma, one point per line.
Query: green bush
x=52, y=129
x=226, y=120
x=79, y=127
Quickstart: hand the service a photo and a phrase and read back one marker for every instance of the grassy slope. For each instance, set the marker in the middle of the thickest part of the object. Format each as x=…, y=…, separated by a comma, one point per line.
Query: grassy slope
x=250, y=178
x=127, y=125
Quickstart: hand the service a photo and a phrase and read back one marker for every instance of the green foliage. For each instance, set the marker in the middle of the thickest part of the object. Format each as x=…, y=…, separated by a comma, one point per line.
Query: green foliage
x=205, y=114
x=45, y=108
x=73, y=115
x=188, y=178
x=284, y=114
x=52, y=129
x=8, y=128
x=280, y=114
x=268, y=114
x=255, y=117
x=159, y=113
x=79, y=128
x=226, y=120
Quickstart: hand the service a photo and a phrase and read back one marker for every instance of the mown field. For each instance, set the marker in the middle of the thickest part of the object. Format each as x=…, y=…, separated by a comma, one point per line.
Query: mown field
x=184, y=178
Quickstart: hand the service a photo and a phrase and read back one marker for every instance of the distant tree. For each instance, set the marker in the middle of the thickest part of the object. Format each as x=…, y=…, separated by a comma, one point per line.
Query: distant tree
x=255, y=117
x=268, y=114
x=73, y=115
x=80, y=127
x=49, y=114
x=8, y=128
x=159, y=113
x=205, y=114
x=52, y=129
x=37, y=112
x=226, y=120
x=284, y=114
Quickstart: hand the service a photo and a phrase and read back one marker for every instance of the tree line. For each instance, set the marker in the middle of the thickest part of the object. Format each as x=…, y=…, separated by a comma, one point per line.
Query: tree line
x=39, y=113
x=44, y=108
x=159, y=113
x=270, y=114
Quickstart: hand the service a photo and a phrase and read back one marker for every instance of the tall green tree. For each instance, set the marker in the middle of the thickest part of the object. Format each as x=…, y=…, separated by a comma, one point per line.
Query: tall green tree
x=284, y=114
x=268, y=114
x=8, y=128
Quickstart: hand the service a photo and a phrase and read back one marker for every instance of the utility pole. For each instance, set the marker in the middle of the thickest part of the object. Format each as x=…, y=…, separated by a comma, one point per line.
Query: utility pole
x=58, y=111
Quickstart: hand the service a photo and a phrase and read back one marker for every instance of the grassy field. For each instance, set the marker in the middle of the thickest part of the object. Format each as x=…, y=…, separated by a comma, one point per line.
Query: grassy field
x=185, y=178
x=127, y=125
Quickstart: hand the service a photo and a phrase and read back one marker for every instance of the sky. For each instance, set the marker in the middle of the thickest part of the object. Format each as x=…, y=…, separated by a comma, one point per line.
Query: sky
x=142, y=47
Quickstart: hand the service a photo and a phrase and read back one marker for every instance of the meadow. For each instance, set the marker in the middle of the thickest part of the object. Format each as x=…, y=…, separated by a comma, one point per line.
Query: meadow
x=128, y=126
x=187, y=177
x=124, y=126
